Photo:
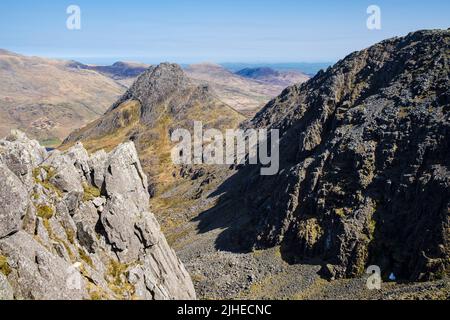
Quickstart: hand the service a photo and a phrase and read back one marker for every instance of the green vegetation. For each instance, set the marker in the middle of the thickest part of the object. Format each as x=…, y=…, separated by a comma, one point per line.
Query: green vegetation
x=70, y=234
x=96, y=293
x=50, y=142
x=197, y=278
x=45, y=212
x=403, y=112
x=90, y=192
x=4, y=266
x=372, y=226
x=48, y=227
x=46, y=184
x=118, y=283
x=85, y=257
x=340, y=212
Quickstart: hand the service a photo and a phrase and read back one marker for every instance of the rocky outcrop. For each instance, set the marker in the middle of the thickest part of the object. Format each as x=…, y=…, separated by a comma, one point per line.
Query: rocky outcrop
x=77, y=226
x=365, y=164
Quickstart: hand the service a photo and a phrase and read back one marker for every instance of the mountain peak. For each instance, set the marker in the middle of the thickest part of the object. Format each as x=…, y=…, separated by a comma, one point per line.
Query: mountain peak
x=162, y=83
x=364, y=149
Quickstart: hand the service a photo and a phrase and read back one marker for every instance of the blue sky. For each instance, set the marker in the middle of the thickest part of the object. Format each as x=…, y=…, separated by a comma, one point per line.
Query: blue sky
x=187, y=31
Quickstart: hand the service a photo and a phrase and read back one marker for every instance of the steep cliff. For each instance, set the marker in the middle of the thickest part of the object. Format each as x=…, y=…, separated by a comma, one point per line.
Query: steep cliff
x=365, y=164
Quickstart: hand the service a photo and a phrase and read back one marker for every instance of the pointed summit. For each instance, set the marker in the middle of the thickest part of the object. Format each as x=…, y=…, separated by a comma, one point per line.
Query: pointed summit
x=161, y=100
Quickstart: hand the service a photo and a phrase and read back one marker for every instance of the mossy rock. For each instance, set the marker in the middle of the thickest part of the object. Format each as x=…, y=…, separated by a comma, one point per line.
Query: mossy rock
x=90, y=192
x=45, y=212
x=4, y=266
x=117, y=280
x=46, y=184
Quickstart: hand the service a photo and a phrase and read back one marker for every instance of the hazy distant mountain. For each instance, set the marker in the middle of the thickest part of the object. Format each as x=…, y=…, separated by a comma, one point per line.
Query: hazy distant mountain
x=48, y=99
x=123, y=72
x=273, y=77
x=244, y=94
x=307, y=68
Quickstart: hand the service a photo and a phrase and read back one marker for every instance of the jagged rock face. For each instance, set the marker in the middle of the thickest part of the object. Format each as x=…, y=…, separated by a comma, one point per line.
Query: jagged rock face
x=81, y=228
x=165, y=83
x=365, y=172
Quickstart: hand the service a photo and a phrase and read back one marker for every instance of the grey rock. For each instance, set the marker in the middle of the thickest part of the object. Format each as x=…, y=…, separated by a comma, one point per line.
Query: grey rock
x=97, y=163
x=6, y=292
x=73, y=244
x=124, y=176
x=21, y=155
x=13, y=202
x=98, y=202
x=66, y=177
x=86, y=218
x=38, y=274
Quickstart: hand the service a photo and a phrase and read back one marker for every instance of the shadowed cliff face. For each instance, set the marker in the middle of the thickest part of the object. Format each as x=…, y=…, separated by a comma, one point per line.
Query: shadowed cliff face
x=77, y=226
x=365, y=172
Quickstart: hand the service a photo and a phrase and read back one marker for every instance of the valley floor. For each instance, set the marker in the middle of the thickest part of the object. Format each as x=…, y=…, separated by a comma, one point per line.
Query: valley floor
x=264, y=275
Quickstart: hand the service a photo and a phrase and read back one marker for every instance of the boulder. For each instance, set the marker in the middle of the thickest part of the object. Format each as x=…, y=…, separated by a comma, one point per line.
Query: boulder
x=13, y=202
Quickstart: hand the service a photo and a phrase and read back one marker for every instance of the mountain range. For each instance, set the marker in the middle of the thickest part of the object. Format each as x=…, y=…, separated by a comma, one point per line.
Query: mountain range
x=244, y=93
x=274, y=77
x=364, y=180
x=48, y=99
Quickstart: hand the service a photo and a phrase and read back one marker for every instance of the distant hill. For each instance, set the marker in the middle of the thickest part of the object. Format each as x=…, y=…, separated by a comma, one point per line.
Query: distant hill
x=123, y=72
x=257, y=73
x=242, y=93
x=273, y=77
x=48, y=98
x=307, y=68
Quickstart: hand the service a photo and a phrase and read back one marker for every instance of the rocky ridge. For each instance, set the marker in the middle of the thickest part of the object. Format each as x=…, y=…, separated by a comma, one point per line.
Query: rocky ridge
x=364, y=174
x=77, y=226
x=160, y=101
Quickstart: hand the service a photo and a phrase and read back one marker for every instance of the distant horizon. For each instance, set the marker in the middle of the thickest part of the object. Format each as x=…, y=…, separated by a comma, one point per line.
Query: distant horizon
x=108, y=60
x=192, y=31
x=304, y=66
